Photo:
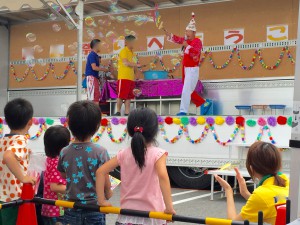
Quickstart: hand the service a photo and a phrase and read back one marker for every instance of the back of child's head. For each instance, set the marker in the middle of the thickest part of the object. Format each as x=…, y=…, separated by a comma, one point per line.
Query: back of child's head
x=265, y=159
x=142, y=126
x=84, y=119
x=55, y=139
x=18, y=112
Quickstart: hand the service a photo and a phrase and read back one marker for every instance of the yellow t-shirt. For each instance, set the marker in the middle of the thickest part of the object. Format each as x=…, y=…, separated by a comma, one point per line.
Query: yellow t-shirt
x=125, y=72
x=263, y=199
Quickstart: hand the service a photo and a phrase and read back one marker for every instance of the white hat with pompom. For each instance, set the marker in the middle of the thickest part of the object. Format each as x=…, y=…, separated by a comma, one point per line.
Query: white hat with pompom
x=192, y=24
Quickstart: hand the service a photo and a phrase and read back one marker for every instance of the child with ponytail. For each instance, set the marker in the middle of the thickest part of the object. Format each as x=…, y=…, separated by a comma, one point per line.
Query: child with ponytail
x=263, y=164
x=145, y=182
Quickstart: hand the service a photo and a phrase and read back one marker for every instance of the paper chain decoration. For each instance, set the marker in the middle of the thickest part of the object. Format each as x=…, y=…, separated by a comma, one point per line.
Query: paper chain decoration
x=158, y=58
x=183, y=123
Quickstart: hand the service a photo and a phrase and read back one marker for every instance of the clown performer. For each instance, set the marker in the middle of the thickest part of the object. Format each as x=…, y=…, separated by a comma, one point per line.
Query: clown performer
x=192, y=47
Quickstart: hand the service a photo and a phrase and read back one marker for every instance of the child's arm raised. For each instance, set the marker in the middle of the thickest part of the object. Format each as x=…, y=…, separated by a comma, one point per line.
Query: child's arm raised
x=13, y=165
x=101, y=179
x=164, y=182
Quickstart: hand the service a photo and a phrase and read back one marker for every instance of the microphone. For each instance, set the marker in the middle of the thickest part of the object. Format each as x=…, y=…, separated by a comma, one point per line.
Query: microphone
x=185, y=39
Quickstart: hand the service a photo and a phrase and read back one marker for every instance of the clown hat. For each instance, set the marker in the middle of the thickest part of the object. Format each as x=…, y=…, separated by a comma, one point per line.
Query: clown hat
x=192, y=25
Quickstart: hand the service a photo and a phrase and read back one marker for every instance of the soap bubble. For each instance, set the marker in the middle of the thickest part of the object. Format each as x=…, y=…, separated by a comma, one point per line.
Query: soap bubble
x=127, y=31
x=100, y=34
x=70, y=26
x=132, y=33
x=72, y=47
x=89, y=21
x=55, y=6
x=38, y=48
x=114, y=2
x=91, y=34
x=52, y=16
x=111, y=35
x=31, y=37
x=56, y=27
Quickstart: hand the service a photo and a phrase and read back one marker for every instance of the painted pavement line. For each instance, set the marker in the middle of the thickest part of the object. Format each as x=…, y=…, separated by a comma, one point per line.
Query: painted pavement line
x=190, y=199
x=184, y=192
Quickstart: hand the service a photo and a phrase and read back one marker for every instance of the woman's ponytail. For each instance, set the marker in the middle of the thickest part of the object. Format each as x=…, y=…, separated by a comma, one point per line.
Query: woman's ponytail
x=139, y=147
x=279, y=181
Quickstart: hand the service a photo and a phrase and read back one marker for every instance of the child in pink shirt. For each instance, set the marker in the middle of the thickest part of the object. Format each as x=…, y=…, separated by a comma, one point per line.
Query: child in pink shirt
x=145, y=181
x=55, y=139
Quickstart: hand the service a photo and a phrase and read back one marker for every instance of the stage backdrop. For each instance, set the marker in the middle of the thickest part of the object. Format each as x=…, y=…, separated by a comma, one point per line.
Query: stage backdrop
x=254, y=16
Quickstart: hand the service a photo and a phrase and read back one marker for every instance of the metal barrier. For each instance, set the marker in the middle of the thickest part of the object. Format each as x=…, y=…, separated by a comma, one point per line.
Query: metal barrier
x=146, y=214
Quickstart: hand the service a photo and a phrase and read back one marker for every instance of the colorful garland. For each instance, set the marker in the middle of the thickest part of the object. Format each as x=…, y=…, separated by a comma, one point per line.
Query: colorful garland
x=51, y=67
x=98, y=135
x=163, y=132
x=261, y=131
x=198, y=140
x=232, y=136
x=110, y=134
x=42, y=127
x=224, y=65
x=1, y=128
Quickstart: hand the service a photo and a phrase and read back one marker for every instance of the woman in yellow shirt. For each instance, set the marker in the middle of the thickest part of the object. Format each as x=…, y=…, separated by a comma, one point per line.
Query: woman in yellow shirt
x=263, y=164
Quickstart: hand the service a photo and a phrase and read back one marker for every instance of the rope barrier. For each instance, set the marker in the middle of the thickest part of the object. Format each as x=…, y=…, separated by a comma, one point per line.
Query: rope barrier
x=146, y=214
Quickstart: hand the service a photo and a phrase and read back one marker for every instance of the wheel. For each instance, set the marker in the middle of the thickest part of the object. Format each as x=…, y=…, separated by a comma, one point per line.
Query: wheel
x=116, y=173
x=189, y=177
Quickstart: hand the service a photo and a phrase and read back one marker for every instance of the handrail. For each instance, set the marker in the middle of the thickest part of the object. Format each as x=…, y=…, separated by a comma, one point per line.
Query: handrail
x=137, y=213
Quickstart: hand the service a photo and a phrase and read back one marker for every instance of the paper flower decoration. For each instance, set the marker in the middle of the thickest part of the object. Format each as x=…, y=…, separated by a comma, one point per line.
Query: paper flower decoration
x=168, y=120
x=201, y=120
x=229, y=120
x=251, y=123
x=4, y=122
x=281, y=120
x=160, y=119
x=104, y=122
x=219, y=120
x=123, y=121
x=193, y=121
x=115, y=121
x=63, y=120
x=240, y=121
x=261, y=121
x=290, y=121
x=49, y=121
x=41, y=121
x=272, y=121
x=35, y=121
x=210, y=120
x=1, y=120
x=176, y=121
x=184, y=120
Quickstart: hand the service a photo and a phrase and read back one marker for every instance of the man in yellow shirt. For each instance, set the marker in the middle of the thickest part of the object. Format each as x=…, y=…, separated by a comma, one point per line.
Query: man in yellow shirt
x=126, y=66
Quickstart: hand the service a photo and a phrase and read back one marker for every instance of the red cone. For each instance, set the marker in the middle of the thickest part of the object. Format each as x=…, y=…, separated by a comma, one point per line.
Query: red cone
x=281, y=215
x=27, y=213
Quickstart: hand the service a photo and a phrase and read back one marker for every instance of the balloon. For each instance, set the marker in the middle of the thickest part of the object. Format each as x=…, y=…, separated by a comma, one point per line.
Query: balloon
x=30, y=37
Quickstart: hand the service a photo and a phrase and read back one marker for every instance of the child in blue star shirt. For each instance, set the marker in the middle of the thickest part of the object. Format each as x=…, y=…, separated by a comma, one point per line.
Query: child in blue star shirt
x=79, y=162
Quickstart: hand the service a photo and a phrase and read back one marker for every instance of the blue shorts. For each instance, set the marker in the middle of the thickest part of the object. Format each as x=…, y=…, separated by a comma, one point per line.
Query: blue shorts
x=83, y=217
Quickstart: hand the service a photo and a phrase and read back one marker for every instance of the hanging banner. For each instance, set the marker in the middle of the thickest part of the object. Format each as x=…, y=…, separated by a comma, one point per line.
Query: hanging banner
x=118, y=44
x=200, y=35
x=233, y=36
x=57, y=51
x=155, y=43
x=277, y=33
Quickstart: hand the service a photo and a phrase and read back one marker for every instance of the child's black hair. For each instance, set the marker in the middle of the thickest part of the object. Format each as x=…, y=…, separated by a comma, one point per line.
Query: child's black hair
x=17, y=113
x=142, y=126
x=94, y=42
x=84, y=119
x=130, y=38
x=55, y=139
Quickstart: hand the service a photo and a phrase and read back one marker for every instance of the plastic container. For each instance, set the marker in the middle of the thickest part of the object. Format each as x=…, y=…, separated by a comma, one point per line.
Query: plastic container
x=155, y=75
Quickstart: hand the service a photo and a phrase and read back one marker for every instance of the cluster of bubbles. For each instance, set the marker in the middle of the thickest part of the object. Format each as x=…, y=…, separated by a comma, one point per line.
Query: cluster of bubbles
x=73, y=48
x=57, y=8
